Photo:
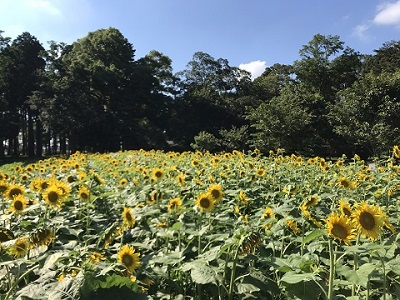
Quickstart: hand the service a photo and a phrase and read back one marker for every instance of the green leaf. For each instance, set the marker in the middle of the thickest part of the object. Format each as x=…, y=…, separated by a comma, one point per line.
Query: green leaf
x=313, y=235
x=203, y=274
x=292, y=278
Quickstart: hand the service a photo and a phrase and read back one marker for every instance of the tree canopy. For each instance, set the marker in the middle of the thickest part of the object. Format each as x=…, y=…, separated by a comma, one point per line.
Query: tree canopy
x=95, y=95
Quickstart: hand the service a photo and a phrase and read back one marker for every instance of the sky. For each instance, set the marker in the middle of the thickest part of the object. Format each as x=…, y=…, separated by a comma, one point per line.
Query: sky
x=250, y=34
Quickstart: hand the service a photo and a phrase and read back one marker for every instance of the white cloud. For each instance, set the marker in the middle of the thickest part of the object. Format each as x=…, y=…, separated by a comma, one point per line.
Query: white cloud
x=388, y=14
x=360, y=31
x=256, y=68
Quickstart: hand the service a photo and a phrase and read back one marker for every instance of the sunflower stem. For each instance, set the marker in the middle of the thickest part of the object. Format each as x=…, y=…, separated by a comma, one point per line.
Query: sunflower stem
x=332, y=260
x=353, y=287
x=233, y=273
x=384, y=277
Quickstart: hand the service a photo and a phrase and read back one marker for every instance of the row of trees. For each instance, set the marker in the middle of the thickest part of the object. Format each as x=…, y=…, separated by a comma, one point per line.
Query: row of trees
x=93, y=95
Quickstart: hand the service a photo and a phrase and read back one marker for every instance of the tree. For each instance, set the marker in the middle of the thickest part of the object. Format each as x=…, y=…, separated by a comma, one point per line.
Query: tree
x=326, y=67
x=209, y=90
x=24, y=62
x=286, y=121
x=92, y=90
x=368, y=114
x=386, y=59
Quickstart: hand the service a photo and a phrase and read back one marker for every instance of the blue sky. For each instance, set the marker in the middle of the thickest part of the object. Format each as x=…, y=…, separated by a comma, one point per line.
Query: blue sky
x=251, y=34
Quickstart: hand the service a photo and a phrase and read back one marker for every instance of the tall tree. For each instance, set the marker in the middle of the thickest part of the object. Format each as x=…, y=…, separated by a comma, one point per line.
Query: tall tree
x=25, y=62
x=210, y=88
x=93, y=90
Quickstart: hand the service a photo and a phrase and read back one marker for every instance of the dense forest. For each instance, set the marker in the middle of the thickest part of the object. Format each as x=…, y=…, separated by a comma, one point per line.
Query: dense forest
x=93, y=95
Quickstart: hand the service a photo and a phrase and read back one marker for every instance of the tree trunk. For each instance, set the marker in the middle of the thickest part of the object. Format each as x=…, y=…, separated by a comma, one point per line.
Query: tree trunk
x=39, y=138
x=31, y=135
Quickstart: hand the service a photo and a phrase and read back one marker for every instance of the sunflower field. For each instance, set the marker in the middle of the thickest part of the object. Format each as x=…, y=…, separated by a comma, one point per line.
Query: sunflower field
x=192, y=225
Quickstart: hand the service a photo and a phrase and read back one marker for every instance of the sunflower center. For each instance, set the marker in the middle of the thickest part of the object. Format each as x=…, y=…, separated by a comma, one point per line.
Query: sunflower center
x=127, y=260
x=158, y=174
x=339, y=231
x=52, y=196
x=367, y=220
x=205, y=203
x=128, y=216
x=2, y=188
x=18, y=205
x=216, y=194
x=14, y=192
x=346, y=212
x=84, y=195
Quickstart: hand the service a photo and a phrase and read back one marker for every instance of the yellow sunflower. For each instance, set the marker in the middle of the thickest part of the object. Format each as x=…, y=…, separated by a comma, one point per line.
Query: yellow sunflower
x=42, y=237
x=36, y=184
x=243, y=197
x=216, y=193
x=123, y=182
x=396, y=151
x=14, y=190
x=368, y=219
x=340, y=227
x=345, y=208
x=52, y=195
x=205, y=202
x=20, y=248
x=174, y=204
x=345, y=183
x=128, y=257
x=3, y=186
x=128, y=217
x=18, y=204
x=181, y=179
x=64, y=188
x=157, y=174
x=260, y=172
x=84, y=193
x=292, y=224
x=268, y=213
x=96, y=257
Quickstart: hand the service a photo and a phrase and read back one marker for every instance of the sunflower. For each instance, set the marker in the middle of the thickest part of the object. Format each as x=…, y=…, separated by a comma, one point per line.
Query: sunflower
x=84, y=193
x=216, y=193
x=268, y=213
x=396, y=151
x=260, y=172
x=42, y=237
x=340, y=227
x=292, y=224
x=157, y=174
x=206, y=202
x=345, y=183
x=123, y=182
x=6, y=235
x=174, y=204
x=181, y=179
x=368, y=219
x=18, y=204
x=128, y=257
x=36, y=184
x=64, y=188
x=345, y=208
x=96, y=257
x=310, y=202
x=20, y=248
x=243, y=197
x=14, y=190
x=52, y=195
x=3, y=186
x=128, y=217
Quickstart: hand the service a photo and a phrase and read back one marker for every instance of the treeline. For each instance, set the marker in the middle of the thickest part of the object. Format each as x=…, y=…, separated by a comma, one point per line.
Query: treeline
x=95, y=96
